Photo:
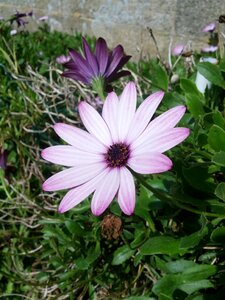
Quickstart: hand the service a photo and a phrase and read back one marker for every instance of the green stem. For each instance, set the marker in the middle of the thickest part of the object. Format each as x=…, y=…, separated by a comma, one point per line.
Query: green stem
x=173, y=199
x=98, y=85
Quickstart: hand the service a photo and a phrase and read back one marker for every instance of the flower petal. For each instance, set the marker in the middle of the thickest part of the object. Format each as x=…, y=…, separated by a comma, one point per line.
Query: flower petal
x=143, y=115
x=91, y=59
x=116, y=56
x=163, y=142
x=102, y=55
x=126, y=194
x=70, y=156
x=81, y=63
x=162, y=123
x=150, y=163
x=76, y=76
x=118, y=75
x=72, y=177
x=78, y=194
x=127, y=107
x=110, y=114
x=79, y=138
x=94, y=123
x=105, y=192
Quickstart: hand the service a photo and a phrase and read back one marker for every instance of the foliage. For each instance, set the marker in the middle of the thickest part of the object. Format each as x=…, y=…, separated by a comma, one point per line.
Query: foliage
x=173, y=245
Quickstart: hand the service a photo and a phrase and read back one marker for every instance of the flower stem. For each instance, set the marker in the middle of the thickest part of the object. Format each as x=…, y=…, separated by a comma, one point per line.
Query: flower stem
x=98, y=85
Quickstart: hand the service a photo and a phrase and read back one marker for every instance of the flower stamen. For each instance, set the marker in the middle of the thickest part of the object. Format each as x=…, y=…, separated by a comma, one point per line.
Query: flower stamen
x=117, y=155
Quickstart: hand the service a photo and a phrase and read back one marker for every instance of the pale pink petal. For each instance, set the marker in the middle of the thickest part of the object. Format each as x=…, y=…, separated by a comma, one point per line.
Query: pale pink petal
x=143, y=115
x=78, y=194
x=162, y=123
x=105, y=192
x=127, y=107
x=150, y=163
x=94, y=123
x=126, y=194
x=163, y=142
x=79, y=138
x=70, y=156
x=72, y=177
x=110, y=114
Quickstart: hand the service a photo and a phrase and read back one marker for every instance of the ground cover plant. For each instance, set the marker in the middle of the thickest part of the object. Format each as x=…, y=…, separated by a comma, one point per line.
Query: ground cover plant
x=168, y=243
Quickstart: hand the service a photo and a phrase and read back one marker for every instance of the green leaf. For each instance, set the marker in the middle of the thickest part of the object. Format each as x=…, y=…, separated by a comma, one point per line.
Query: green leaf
x=178, y=266
x=189, y=87
x=159, y=76
x=192, y=287
x=193, y=239
x=199, y=178
x=194, y=105
x=198, y=272
x=219, y=158
x=160, y=245
x=122, y=254
x=218, y=119
x=220, y=191
x=212, y=73
x=167, y=285
x=216, y=138
x=218, y=235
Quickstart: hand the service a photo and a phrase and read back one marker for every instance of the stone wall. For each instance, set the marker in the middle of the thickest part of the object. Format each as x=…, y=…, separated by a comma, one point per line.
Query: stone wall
x=126, y=21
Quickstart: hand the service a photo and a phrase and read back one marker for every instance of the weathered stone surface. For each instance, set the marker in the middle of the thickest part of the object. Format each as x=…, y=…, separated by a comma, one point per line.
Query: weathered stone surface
x=126, y=21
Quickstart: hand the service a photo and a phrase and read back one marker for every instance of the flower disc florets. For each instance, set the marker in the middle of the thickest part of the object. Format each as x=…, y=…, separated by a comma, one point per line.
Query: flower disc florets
x=117, y=155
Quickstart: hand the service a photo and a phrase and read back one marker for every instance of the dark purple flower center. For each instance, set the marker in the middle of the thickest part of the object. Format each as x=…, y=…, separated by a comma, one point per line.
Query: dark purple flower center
x=117, y=155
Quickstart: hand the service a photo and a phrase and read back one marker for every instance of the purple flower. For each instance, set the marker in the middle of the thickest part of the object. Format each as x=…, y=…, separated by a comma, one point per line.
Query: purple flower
x=123, y=138
x=3, y=158
x=209, y=28
x=209, y=48
x=102, y=64
x=62, y=59
x=19, y=18
x=178, y=49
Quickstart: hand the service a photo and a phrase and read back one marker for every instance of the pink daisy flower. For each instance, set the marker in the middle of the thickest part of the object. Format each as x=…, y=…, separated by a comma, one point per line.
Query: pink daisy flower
x=209, y=27
x=120, y=140
x=178, y=49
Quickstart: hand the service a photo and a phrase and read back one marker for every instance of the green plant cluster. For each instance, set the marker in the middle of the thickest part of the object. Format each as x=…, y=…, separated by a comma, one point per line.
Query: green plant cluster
x=173, y=247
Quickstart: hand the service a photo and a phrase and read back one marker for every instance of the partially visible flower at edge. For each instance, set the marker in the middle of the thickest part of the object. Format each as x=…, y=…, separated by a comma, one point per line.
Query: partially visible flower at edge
x=209, y=48
x=97, y=69
x=209, y=27
x=123, y=138
x=62, y=59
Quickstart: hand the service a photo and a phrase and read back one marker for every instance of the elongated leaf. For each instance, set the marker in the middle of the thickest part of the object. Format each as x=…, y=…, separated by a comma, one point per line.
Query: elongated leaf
x=160, y=245
x=122, y=254
x=192, y=287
